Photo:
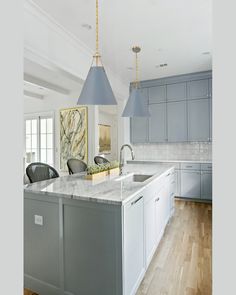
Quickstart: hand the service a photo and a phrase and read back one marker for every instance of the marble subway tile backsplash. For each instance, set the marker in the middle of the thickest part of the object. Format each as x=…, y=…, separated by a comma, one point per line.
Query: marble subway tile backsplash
x=194, y=151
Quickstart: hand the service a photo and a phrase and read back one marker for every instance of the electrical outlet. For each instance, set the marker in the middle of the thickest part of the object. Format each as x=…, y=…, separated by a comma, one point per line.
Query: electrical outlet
x=38, y=219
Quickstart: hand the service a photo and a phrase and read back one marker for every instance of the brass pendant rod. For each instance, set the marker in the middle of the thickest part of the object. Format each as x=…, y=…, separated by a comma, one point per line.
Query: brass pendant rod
x=97, y=55
x=136, y=58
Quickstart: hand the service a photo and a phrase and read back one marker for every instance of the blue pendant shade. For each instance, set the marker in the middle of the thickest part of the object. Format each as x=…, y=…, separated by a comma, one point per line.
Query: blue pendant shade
x=135, y=106
x=97, y=89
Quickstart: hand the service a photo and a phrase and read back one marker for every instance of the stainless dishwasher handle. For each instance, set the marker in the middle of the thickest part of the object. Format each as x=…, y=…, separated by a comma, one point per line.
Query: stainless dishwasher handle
x=136, y=201
x=189, y=166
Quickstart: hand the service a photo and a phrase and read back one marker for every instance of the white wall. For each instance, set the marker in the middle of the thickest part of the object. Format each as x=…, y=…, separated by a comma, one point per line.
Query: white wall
x=54, y=102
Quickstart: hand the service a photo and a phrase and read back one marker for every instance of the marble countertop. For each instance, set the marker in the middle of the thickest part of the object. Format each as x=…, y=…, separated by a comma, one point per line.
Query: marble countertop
x=168, y=161
x=111, y=191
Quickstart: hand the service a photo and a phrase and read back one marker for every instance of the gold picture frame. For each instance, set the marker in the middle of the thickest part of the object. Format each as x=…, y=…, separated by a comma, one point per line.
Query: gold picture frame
x=104, y=139
x=73, y=135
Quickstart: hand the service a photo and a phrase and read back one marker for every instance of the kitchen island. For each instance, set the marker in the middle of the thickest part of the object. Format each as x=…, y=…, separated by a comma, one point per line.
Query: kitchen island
x=85, y=237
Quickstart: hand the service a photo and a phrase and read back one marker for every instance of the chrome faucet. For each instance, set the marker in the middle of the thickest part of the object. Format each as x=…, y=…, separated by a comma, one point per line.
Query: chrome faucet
x=122, y=158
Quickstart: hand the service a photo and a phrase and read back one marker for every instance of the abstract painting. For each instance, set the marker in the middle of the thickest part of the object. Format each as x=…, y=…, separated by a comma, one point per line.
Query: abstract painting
x=104, y=139
x=73, y=135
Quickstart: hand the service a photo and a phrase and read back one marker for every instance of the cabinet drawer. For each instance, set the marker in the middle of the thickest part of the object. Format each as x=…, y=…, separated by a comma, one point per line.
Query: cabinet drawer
x=190, y=166
x=206, y=167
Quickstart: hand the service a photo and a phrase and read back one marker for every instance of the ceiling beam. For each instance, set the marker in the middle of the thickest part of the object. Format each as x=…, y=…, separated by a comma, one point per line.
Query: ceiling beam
x=39, y=82
x=33, y=95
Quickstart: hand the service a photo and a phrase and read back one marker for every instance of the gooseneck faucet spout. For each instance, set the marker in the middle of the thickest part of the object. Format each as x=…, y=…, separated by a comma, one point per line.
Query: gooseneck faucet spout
x=121, y=155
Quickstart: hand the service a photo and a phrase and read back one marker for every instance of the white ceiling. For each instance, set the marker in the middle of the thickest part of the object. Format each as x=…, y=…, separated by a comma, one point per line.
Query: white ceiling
x=175, y=32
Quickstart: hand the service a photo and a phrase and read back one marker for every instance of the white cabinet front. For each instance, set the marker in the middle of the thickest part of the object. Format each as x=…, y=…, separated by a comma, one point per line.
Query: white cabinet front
x=134, y=266
x=150, y=229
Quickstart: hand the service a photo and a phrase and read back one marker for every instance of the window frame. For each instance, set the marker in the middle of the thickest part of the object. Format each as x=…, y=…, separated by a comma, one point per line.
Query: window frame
x=38, y=116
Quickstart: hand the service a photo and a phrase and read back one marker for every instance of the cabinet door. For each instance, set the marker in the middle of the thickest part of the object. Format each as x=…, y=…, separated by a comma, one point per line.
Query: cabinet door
x=133, y=244
x=157, y=94
x=149, y=217
x=210, y=109
x=139, y=125
x=159, y=217
x=176, y=92
x=198, y=120
x=206, y=185
x=177, y=121
x=198, y=89
x=157, y=123
x=139, y=130
x=190, y=184
x=210, y=87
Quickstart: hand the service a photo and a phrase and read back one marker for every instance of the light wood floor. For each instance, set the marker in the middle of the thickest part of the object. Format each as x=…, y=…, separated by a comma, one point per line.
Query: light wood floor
x=182, y=262
x=28, y=292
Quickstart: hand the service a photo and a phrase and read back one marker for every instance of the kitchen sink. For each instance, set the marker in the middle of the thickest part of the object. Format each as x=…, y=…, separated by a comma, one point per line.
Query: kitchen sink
x=140, y=177
x=134, y=177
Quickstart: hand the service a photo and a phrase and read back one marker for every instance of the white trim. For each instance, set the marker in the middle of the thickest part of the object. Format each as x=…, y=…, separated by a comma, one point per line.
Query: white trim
x=38, y=115
x=49, y=21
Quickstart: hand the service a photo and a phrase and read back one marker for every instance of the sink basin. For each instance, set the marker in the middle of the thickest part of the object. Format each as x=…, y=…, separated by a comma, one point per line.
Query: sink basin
x=140, y=177
x=134, y=177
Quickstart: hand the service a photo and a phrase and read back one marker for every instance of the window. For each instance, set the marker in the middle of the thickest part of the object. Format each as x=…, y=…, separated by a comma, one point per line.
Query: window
x=39, y=139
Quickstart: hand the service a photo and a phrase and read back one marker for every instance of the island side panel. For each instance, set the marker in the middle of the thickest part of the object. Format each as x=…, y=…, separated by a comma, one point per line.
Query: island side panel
x=41, y=244
x=92, y=248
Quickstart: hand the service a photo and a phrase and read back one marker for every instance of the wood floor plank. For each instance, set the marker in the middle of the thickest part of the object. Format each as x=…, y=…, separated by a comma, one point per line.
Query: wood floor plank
x=182, y=264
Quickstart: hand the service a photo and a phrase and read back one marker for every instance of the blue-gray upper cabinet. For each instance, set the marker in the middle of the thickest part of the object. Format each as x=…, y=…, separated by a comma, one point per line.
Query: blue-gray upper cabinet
x=177, y=121
x=198, y=89
x=157, y=123
x=157, y=94
x=198, y=120
x=176, y=92
x=139, y=125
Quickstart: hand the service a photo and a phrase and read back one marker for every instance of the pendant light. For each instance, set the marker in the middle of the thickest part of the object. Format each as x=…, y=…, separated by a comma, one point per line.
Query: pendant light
x=136, y=106
x=97, y=89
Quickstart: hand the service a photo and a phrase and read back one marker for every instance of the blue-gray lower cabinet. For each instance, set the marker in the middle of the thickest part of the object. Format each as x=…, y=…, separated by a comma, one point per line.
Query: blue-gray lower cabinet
x=190, y=184
x=210, y=87
x=43, y=240
x=177, y=121
x=199, y=120
x=157, y=123
x=210, y=106
x=206, y=185
x=198, y=89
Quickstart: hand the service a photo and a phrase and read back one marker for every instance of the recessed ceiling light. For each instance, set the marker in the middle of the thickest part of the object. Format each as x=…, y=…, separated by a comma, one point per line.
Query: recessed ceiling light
x=130, y=68
x=206, y=53
x=86, y=26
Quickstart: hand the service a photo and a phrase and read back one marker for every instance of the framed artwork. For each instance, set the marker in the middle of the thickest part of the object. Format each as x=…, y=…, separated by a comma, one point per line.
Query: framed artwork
x=104, y=139
x=73, y=135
